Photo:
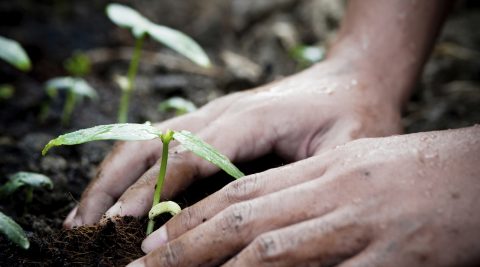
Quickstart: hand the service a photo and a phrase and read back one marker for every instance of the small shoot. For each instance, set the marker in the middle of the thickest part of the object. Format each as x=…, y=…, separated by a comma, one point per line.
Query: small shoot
x=28, y=180
x=13, y=231
x=163, y=207
x=6, y=91
x=179, y=105
x=132, y=131
x=76, y=89
x=307, y=55
x=78, y=65
x=13, y=53
x=126, y=17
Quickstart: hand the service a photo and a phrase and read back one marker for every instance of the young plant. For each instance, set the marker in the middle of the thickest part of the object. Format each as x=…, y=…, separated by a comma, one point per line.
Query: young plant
x=13, y=53
x=180, y=105
x=28, y=180
x=141, y=27
x=131, y=131
x=76, y=88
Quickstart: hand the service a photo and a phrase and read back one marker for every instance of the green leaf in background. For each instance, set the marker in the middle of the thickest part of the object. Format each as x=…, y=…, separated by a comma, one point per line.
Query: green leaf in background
x=77, y=85
x=180, y=105
x=13, y=231
x=78, y=64
x=207, y=152
x=163, y=207
x=13, y=53
x=6, y=91
x=19, y=179
x=127, y=17
x=119, y=131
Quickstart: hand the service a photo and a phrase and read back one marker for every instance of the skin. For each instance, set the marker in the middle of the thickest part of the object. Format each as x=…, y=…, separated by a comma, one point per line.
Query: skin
x=349, y=200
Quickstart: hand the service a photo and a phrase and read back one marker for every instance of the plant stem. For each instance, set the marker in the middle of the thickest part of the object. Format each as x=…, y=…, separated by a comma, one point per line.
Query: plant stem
x=166, y=138
x=132, y=73
x=68, y=107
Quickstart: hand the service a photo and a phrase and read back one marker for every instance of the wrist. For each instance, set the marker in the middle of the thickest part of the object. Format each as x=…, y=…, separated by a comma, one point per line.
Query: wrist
x=395, y=74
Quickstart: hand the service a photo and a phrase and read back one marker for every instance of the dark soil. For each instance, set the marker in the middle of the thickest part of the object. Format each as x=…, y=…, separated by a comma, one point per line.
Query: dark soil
x=448, y=96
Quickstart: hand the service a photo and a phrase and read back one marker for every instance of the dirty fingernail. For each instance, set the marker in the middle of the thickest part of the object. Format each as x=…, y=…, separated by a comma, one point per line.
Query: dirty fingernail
x=114, y=210
x=155, y=239
x=137, y=263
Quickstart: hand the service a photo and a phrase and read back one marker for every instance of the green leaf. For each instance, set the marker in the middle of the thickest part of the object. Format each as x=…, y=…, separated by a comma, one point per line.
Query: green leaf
x=78, y=64
x=207, y=152
x=180, y=105
x=77, y=85
x=20, y=179
x=119, y=131
x=179, y=42
x=6, y=91
x=127, y=17
x=163, y=207
x=13, y=53
x=13, y=231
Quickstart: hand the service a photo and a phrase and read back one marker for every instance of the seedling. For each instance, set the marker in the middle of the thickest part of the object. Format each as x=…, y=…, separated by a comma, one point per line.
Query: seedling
x=307, y=55
x=141, y=27
x=28, y=180
x=6, y=91
x=180, y=105
x=76, y=88
x=131, y=131
x=13, y=53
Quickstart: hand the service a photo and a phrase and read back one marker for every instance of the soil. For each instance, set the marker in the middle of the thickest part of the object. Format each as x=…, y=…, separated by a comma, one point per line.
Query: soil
x=258, y=32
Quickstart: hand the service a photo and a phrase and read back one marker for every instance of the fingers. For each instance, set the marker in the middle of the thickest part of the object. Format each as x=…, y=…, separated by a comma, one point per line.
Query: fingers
x=323, y=241
x=184, y=166
x=246, y=188
x=122, y=166
x=235, y=227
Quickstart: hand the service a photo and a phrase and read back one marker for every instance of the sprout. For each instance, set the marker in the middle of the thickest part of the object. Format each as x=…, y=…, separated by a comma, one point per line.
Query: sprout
x=29, y=180
x=6, y=91
x=75, y=87
x=180, y=105
x=132, y=131
x=13, y=53
x=307, y=55
x=77, y=65
x=13, y=231
x=140, y=26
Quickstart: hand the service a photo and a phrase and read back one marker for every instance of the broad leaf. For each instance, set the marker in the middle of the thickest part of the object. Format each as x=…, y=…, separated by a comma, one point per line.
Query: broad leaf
x=179, y=104
x=20, y=179
x=13, y=53
x=163, y=207
x=13, y=231
x=119, y=131
x=179, y=42
x=77, y=85
x=127, y=17
x=207, y=152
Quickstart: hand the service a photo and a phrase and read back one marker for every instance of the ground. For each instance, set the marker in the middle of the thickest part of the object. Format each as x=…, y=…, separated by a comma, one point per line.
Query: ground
x=249, y=43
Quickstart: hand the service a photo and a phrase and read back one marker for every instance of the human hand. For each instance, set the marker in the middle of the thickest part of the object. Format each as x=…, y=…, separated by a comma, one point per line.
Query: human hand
x=297, y=117
x=408, y=200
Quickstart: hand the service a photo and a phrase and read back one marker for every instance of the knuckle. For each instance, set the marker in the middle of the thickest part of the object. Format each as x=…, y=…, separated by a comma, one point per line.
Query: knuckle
x=186, y=216
x=168, y=257
x=243, y=189
x=268, y=247
x=236, y=219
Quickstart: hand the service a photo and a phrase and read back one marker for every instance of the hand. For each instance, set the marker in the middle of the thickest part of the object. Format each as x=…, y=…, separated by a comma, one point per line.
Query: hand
x=297, y=117
x=407, y=200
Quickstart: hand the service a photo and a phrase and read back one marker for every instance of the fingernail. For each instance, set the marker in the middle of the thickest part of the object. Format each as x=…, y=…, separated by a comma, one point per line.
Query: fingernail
x=137, y=263
x=68, y=222
x=114, y=210
x=155, y=239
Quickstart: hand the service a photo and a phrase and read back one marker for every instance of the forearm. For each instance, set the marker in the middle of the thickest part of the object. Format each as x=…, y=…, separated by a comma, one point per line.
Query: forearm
x=390, y=39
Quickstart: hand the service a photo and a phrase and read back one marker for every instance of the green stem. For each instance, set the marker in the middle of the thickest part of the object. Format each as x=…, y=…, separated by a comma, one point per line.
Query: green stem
x=132, y=73
x=166, y=138
x=68, y=107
